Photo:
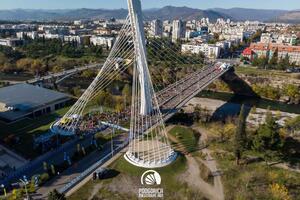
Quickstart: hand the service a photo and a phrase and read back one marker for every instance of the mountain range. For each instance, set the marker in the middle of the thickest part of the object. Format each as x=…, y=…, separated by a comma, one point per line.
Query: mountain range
x=168, y=12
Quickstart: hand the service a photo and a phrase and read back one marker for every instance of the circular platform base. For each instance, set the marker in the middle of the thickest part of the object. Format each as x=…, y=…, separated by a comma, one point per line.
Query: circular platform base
x=54, y=128
x=129, y=156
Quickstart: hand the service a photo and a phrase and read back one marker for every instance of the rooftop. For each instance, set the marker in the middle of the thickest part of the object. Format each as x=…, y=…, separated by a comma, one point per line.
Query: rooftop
x=274, y=46
x=25, y=98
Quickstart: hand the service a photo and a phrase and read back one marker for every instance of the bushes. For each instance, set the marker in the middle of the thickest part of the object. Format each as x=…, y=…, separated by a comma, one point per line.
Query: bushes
x=267, y=91
x=279, y=192
x=44, y=177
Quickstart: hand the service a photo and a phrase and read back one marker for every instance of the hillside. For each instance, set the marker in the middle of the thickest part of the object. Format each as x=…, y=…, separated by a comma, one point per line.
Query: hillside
x=168, y=12
x=165, y=13
x=185, y=13
x=290, y=17
x=242, y=14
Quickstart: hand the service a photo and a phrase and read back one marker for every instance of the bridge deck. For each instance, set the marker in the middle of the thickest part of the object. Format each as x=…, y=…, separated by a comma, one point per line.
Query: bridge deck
x=178, y=94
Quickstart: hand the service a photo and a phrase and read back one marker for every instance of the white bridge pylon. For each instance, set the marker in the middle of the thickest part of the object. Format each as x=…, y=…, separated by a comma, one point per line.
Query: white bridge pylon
x=148, y=141
x=135, y=14
x=149, y=146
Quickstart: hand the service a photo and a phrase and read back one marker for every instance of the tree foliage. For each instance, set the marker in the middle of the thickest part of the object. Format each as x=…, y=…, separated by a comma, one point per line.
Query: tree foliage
x=267, y=139
x=240, y=139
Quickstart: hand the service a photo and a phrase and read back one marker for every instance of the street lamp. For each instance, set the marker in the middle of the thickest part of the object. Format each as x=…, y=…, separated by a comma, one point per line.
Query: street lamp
x=25, y=185
x=4, y=190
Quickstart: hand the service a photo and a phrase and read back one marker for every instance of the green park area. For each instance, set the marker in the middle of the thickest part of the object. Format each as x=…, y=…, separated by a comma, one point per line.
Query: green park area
x=249, y=70
x=256, y=162
x=25, y=130
x=126, y=182
x=185, y=136
x=256, y=180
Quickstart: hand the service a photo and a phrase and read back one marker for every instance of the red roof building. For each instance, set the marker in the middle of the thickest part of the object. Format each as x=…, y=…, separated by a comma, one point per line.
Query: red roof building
x=268, y=49
x=248, y=53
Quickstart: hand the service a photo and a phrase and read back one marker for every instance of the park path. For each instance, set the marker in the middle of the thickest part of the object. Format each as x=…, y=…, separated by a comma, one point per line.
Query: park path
x=213, y=192
x=211, y=163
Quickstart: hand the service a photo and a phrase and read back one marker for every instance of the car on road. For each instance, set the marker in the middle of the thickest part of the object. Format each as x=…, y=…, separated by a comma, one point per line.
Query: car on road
x=101, y=173
x=222, y=66
x=225, y=66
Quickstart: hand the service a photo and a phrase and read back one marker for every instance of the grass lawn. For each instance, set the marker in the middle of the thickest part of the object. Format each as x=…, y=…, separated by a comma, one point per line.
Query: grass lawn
x=27, y=128
x=170, y=184
x=186, y=136
x=249, y=70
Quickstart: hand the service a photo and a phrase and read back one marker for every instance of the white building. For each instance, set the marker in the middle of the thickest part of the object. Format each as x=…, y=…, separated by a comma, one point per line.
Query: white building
x=74, y=38
x=32, y=35
x=80, y=22
x=156, y=28
x=178, y=30
x=288, y=39
x=266, y=38
x=10, y=42
x=102, y=41
x=224, y=44
x=209, y=50
x=52, y=36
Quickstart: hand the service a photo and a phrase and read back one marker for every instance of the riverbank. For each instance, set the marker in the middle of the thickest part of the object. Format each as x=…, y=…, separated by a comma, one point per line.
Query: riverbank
x=251, y=101
x=222, y=109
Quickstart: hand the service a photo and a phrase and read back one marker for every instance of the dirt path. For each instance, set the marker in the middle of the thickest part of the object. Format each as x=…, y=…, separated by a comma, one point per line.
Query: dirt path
x=95, y=190
x=213, y=192
x=209, y=191
x=211, y=164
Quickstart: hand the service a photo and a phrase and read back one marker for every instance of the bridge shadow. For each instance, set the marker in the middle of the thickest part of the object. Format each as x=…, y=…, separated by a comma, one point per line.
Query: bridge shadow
x=181, y=118
x=237, y=85
x=243, y=94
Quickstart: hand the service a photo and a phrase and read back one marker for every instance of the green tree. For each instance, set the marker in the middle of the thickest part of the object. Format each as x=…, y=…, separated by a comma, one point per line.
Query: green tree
x=274, y=60
x=260, y=62
x=284, y=63
x=291, y=90
x=24, y=64
x=106, y=99
x=240, y=139
x=37, y=67
x=197, y=113
x=88, y=74
x=76, y=91
x=126, y=93
x=267, y=139
x=293, y=124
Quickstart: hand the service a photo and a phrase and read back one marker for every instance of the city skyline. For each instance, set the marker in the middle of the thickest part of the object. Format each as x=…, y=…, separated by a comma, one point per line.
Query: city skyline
x=73, y=4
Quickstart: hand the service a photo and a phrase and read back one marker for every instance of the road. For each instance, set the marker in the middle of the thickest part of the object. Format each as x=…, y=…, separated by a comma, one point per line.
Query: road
x=77, y=168
x=64, y=73
x=178, y=94
x=54, y=156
